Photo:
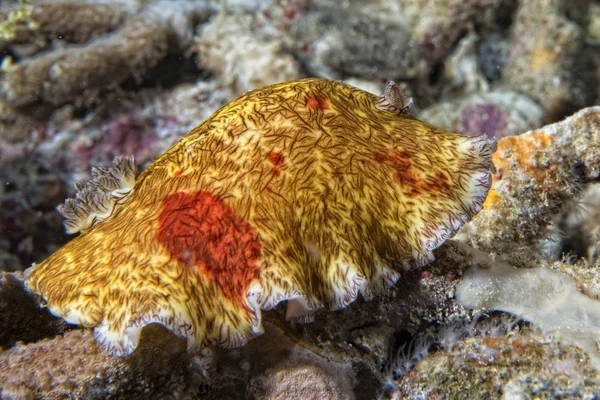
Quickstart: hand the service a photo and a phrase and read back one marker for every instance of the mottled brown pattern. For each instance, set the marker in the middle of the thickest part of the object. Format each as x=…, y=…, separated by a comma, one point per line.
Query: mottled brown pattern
x=358, y=193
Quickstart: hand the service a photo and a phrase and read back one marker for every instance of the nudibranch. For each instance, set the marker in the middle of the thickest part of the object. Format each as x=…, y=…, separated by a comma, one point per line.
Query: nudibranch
x=308, y=191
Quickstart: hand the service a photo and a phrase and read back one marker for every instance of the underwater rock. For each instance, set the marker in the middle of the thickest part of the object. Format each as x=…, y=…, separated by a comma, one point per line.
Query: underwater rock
x=547, y=298
x=30, y=228
x=493, y=51
x=593, y=26
x=497, y=114
x=64, y=75
x=462, y=73
x=438, y=24
x=537, y=173
x=16, y=125
x=75, y=365
x=336, y=44
x=61, y=76
x=580, y=224
x=128, y=134
x=68, y=21
x=299, y=383
x=374, y=340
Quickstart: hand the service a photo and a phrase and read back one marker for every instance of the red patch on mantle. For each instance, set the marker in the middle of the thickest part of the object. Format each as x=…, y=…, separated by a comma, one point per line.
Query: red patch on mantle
x=201, y=231
x=400, y=160
x=317, y=103
x=276, y=158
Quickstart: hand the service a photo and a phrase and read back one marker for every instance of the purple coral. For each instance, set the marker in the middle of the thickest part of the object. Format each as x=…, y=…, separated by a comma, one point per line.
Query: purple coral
x=488, y=119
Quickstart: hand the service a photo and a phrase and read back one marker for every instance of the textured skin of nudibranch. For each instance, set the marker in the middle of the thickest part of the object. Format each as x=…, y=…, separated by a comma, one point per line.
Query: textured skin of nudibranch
x=308, y=191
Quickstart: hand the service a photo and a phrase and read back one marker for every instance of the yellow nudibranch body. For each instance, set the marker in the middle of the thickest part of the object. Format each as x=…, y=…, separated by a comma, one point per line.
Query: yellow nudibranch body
x=308, y=191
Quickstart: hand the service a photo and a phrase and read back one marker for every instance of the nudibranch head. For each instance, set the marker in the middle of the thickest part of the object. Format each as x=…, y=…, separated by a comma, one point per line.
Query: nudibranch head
x=308, y=191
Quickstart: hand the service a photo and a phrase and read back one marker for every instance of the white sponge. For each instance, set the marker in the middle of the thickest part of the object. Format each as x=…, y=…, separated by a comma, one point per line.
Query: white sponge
x=548, y=299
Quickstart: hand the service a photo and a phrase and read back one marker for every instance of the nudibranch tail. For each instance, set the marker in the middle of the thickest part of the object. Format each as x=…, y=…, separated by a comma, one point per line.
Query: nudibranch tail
x=96, y=198
x=309, y=192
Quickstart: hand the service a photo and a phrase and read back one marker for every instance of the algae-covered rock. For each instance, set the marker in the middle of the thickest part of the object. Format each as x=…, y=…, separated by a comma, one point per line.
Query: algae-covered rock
x=519, y=366
x=537, y=173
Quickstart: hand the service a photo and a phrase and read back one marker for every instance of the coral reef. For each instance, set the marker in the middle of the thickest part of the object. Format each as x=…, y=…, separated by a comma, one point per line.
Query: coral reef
x=71, y=22
x=65, y=75
x=73, y=364
x=124, y=47
x=85, y=81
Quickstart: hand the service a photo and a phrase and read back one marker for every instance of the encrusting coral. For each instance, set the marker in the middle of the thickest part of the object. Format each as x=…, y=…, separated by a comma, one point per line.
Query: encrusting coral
x=308, y=191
